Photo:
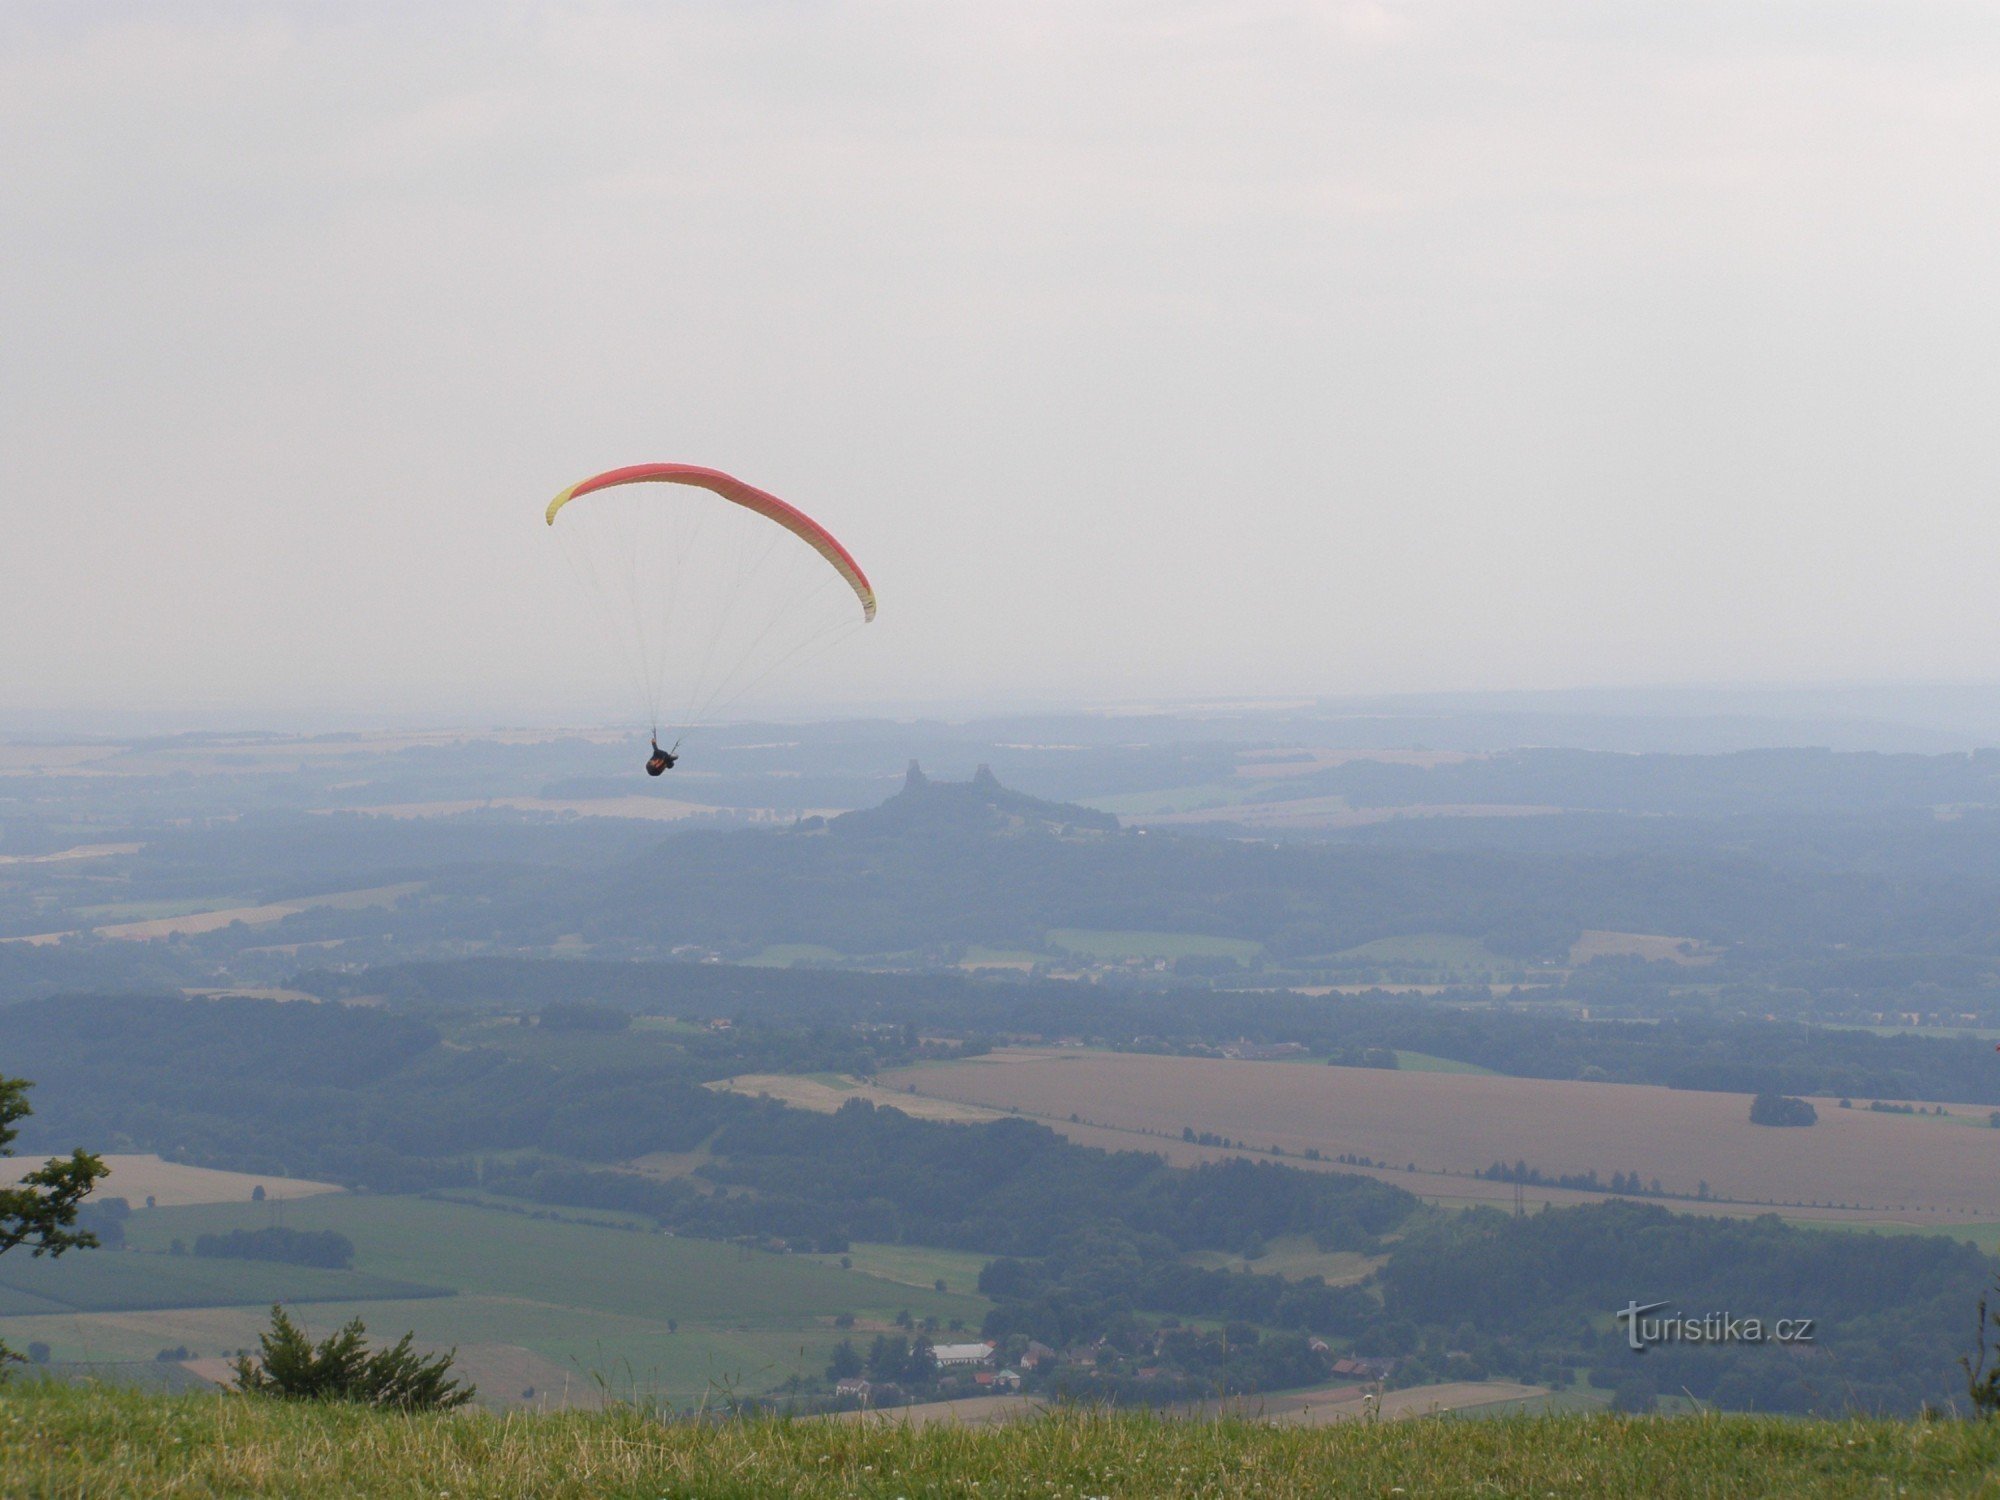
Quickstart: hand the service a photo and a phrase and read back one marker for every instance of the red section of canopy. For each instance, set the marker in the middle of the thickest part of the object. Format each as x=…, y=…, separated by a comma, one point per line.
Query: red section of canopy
x=736, y=492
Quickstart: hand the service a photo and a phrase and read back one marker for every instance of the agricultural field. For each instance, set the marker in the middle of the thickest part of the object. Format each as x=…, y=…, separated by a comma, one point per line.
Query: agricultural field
x=172, y=1184
x=784, y=955
x=568, y=1307
x=1913, y=1168
x=913, y=1265
x=66, y=856
x=1282, y=764
x=1293, y=1255
x=826, y=1093
x=90, y=1281
x=196, y=918
x=1431, y=950
x=978, y=957
x=1424, y=1062
x=1113, y=946
x=1651, y=946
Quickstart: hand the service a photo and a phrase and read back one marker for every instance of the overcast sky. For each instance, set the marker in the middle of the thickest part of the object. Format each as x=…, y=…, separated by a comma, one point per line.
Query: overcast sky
x=1136, y=350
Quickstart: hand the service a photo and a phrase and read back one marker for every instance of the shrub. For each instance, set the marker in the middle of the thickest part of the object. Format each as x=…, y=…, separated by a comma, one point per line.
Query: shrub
x=1781, y=1109
x=341, y=1367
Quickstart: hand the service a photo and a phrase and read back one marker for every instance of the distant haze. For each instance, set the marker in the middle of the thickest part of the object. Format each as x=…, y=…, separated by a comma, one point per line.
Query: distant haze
x=1136, y=349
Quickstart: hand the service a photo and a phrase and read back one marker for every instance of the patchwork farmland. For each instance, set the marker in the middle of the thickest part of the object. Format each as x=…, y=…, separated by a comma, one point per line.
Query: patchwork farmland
x=1914, y=1168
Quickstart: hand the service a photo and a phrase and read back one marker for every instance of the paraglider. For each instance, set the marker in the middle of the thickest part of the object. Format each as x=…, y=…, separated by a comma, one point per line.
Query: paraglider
x=708, y=589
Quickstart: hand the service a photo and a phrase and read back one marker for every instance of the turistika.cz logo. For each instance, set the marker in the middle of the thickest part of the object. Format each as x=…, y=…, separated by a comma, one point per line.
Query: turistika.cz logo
x=1642, y=1331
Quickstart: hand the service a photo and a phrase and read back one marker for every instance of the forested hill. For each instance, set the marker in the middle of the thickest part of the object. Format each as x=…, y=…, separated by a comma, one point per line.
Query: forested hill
x=1730, y=1055
x=550, y=1110
x=979, y=806
x=1904, y=896
x=1791, y=781
x=912, y=888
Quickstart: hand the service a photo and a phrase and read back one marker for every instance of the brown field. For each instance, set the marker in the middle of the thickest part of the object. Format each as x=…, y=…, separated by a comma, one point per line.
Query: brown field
x=504, y=1373
x=200, y=922
x=808, y=1093
x=1919, y=1168
x=215, y=1369
x=170, y=1184
x=114, y=1336
x=1647, y=945
x=82, y=851
x=1433, y=1187
x=28, y=760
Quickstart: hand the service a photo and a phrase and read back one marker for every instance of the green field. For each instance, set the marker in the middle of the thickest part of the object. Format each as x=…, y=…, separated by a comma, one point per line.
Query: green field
x=1110, y=946
x=668, y=1024
x=125, y=1280
x=785, y=955
x=1424, y=1062
x=915, y=1265
x=642, y=1311
x=1431, y=950
x=1293, y=1255
x=152, y=911
x=57, y=1440
x=576, y=1265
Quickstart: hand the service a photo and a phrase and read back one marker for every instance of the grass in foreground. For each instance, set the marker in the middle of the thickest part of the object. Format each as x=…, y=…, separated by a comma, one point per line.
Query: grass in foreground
x=101, y=1442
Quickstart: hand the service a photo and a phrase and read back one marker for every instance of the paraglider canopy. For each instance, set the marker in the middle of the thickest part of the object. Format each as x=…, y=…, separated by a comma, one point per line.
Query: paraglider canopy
x=736, y=492
x=710, y=593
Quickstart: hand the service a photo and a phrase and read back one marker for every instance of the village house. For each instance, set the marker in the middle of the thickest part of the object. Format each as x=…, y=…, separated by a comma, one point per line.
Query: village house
x=961, y=1356
x=1263, y=1051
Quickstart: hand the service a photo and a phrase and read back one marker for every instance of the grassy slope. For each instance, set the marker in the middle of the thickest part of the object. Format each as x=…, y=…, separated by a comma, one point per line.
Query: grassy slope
x=56, y=1441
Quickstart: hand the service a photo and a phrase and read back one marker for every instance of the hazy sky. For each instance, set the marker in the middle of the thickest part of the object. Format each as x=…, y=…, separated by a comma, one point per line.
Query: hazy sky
x=1137, y=350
